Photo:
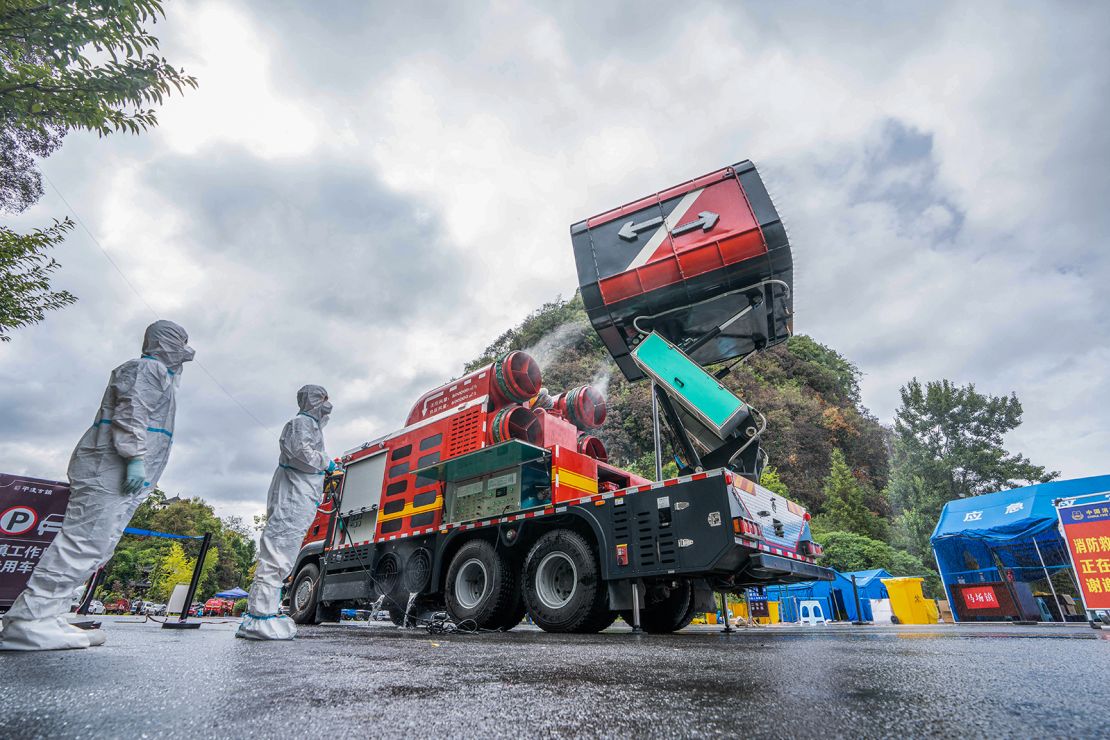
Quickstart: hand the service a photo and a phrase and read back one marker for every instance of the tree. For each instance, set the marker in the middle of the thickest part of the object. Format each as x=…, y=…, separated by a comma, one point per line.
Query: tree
x=770, y=480
x=228, y=563
x=847, y=552
x=241, y=550
x=25, y=293
x=64, y=66
x=949, y=445
x=645, y=466
x=845, y=507
x=825, y=369
x=175, y=568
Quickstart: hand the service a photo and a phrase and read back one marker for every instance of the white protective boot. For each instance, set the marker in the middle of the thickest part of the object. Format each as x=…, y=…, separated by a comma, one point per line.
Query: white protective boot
x=268, y=627
x=42, y=634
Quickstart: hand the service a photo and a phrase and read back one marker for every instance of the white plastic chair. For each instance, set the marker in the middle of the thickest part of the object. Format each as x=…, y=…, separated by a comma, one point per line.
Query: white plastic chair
x=810, y=612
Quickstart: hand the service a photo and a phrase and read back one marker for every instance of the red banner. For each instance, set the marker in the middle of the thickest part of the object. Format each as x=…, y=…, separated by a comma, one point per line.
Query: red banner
x=981, y=597
x=31, y=513
x=1087, y=531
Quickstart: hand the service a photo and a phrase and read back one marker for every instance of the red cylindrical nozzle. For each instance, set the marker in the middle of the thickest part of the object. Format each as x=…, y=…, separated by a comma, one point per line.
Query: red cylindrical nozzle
x=591, y=446
x=515, y=422
x=517, y=377
x=583, y=406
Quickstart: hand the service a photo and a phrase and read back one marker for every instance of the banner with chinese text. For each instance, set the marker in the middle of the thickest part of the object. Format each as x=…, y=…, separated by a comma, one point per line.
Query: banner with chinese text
x=1087, y=532
x=31, y=513
x=980, y=597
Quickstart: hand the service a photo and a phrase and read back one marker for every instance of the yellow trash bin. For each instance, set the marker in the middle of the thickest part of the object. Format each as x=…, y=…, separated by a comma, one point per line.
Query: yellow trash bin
x=908, y=603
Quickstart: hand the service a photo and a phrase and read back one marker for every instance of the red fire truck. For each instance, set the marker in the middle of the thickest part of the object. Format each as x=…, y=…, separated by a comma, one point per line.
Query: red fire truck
x=496, y=499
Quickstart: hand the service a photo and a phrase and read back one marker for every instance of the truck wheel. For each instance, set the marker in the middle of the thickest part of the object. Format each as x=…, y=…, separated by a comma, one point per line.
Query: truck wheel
x=304, y=594
x=562, y=586
x=603, y=620
x=672, y=613
x=480, y=586
x=515, y=614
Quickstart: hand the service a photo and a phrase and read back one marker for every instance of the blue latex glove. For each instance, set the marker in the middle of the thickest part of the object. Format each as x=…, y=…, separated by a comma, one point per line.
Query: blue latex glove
x=136, y=476
x=332, y=467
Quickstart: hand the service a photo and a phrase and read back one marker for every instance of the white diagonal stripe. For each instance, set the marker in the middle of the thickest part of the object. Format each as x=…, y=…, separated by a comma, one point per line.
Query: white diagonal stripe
x=669, y=223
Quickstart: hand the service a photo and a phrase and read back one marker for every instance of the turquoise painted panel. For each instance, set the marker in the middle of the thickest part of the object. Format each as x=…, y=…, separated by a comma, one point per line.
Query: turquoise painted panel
x=688, y=383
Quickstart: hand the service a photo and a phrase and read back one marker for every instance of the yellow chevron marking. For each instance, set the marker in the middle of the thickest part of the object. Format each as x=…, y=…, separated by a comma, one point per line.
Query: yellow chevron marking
x=409, y=510
x=576, y=480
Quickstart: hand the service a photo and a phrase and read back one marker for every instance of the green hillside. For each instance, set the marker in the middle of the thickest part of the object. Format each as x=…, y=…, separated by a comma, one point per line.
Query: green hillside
x=809, y=393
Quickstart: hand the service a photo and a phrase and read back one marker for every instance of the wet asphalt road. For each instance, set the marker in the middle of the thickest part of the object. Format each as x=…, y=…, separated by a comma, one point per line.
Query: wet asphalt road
x=344, y=680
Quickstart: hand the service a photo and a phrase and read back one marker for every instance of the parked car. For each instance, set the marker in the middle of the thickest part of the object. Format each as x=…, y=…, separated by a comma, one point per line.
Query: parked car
x=382, y=615
x=119, y=606
x=96, y=607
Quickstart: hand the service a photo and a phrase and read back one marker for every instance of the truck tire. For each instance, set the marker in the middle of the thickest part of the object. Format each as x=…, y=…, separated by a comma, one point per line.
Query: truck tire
x=670, y=614
x=480, y=586
x=304, y=594
x=562, y=585
x=603, y=620
x=515, y=614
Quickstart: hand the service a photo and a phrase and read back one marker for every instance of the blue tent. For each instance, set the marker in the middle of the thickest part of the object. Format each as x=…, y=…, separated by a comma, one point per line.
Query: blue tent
x=1006, y=541
x=836, y=597
x=870, y=585
x=234, y=593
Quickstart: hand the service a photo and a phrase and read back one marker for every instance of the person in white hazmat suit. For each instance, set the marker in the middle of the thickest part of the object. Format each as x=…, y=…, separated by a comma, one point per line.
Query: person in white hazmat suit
x=295, y=493
x=114, y=468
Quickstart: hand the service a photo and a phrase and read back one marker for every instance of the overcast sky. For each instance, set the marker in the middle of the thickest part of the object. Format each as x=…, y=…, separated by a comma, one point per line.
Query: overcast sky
x=364, y=197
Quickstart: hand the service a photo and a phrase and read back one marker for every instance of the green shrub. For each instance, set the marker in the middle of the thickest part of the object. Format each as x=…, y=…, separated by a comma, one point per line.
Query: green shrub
x=847, y=551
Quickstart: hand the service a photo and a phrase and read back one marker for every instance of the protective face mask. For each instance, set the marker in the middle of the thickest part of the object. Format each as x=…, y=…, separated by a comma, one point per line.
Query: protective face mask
x=185, y=354
x=325, y=412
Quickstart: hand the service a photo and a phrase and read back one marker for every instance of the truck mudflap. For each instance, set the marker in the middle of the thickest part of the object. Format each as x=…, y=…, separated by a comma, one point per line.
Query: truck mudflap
x=776, y=569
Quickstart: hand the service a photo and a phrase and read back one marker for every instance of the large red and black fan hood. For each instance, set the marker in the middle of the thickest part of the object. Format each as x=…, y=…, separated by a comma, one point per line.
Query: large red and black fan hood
x=706, y=264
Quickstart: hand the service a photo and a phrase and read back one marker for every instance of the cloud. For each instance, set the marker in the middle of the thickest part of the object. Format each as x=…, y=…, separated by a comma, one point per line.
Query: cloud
x=365, y=196
x=283, y=273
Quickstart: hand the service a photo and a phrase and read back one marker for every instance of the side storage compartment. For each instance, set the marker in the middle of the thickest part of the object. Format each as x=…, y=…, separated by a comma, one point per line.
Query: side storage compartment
x=684, y=528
